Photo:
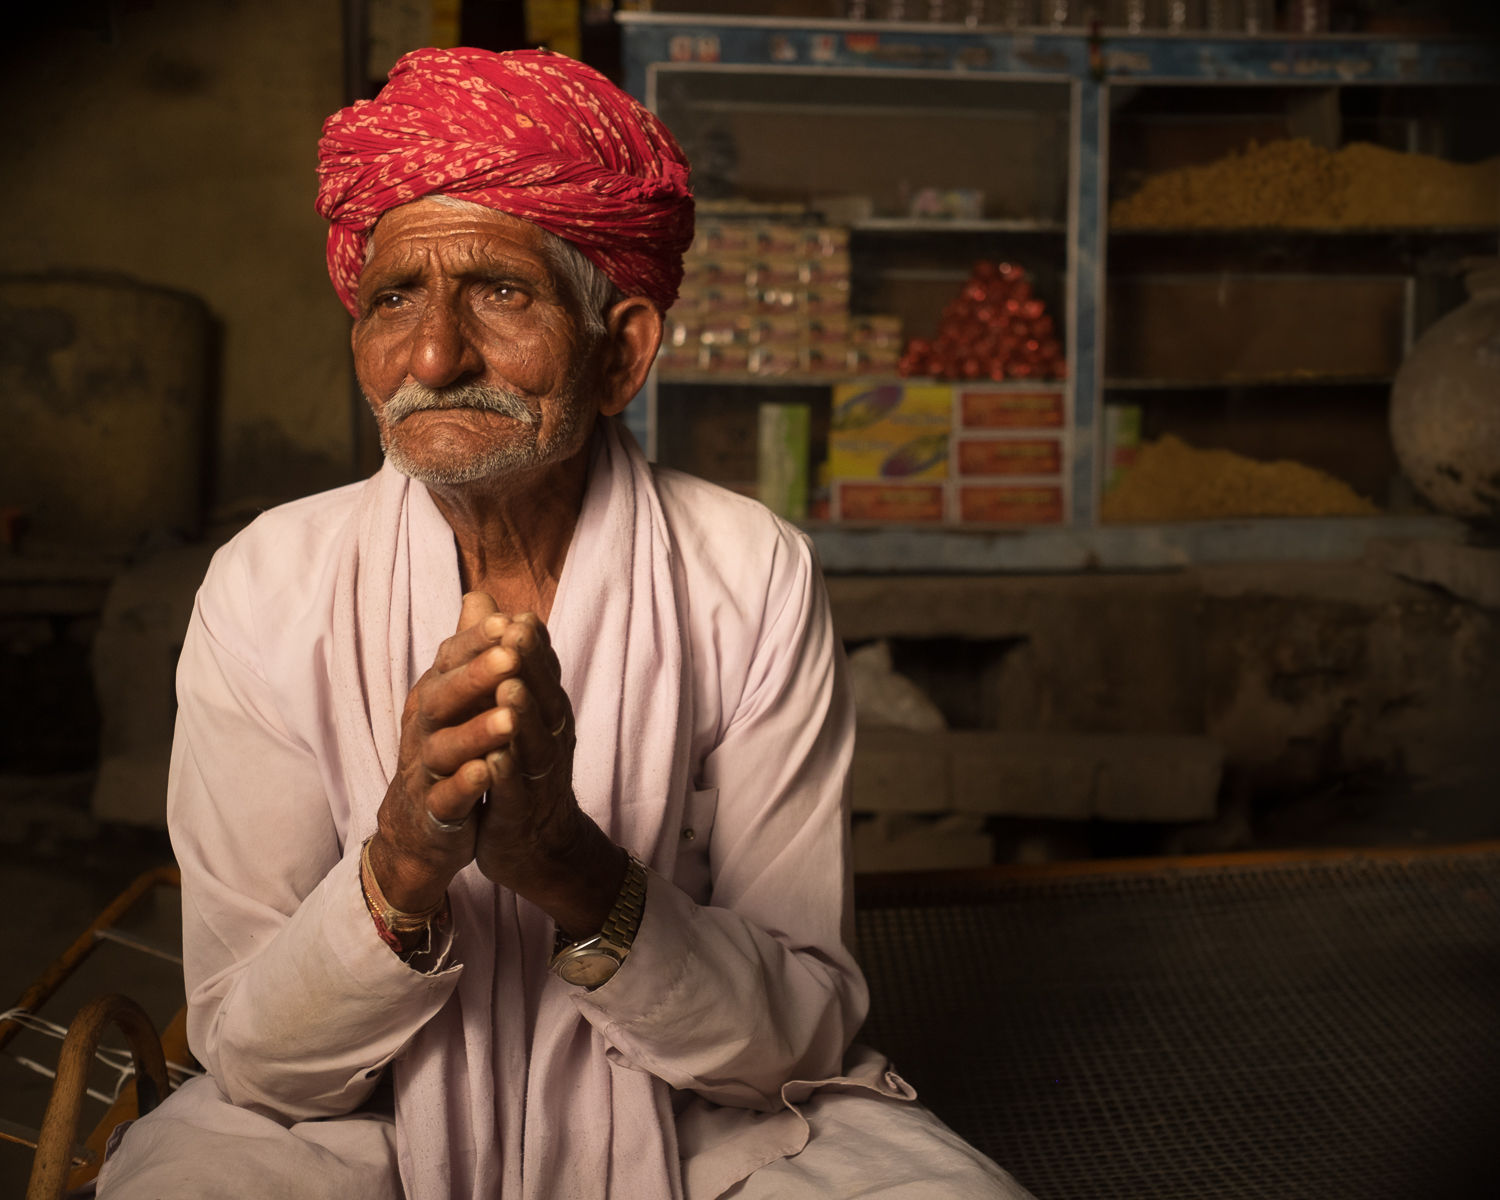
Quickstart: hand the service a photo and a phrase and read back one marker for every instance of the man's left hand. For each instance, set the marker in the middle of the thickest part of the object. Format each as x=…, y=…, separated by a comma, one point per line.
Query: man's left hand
x=533, y=838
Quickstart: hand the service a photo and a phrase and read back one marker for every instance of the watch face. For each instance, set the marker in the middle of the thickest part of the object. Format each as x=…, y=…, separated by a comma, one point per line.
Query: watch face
x=588, y=967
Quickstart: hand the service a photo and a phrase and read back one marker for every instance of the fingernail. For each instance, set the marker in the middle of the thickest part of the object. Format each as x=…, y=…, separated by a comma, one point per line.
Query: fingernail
x=494, y=626
x=501, y=721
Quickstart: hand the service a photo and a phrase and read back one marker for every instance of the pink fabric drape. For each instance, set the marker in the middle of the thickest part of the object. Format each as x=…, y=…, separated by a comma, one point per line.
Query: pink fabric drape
x=511, y=1037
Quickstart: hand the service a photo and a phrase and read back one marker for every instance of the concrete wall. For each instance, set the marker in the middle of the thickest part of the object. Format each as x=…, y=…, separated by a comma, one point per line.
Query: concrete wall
x=175, y=142
x=1295, y=698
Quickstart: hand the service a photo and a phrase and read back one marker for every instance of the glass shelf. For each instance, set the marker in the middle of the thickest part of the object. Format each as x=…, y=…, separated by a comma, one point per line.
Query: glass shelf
x=1319, y=231
x=1278, y=381
x=944, y=549
x=900, y=225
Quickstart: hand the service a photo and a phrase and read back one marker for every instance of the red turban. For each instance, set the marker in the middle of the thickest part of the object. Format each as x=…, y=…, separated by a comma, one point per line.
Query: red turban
x=529, y=133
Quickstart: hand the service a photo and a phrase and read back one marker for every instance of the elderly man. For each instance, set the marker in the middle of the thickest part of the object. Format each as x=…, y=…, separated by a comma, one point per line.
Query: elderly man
x=508, y=785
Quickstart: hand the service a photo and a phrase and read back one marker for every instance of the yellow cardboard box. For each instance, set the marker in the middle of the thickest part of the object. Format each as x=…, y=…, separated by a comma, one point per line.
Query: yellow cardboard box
x=890, y=431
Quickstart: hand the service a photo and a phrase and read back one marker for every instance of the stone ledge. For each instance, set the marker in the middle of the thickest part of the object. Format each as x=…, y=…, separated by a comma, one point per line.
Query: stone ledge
x=1077, y=776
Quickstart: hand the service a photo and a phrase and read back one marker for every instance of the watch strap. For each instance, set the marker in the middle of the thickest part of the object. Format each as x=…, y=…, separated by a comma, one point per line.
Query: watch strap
x=624, y=918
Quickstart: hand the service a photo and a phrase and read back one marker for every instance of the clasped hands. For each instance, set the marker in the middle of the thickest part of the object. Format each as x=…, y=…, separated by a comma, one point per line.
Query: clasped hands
x=484, y=775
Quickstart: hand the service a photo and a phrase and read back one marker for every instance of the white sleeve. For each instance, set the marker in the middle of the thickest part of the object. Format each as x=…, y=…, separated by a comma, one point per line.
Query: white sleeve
x=295, y=1005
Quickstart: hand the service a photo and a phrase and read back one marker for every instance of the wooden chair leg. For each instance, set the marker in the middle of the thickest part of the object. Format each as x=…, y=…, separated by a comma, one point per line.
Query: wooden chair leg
x=49, y=1170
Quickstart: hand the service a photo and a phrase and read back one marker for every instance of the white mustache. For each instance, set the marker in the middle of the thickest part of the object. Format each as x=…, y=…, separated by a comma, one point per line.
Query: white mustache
x=413, y=397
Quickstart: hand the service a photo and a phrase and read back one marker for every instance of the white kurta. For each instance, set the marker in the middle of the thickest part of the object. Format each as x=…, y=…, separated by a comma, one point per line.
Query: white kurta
x=714, y=732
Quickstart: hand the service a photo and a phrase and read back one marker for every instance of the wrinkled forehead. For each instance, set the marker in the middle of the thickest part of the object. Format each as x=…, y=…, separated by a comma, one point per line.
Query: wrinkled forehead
x=437, y=218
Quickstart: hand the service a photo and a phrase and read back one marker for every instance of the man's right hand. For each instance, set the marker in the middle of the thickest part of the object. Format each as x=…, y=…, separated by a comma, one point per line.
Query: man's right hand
x=447, y=729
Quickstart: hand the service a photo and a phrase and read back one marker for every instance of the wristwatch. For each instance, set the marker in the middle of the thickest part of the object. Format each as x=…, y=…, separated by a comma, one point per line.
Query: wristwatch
x=592, y=962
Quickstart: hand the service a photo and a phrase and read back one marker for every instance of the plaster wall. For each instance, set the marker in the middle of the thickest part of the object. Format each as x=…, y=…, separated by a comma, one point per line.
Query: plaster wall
x=175, y=142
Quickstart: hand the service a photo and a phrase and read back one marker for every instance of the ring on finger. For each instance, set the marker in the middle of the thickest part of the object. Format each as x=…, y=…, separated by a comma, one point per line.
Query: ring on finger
x=540, y=774
x=443, y=826
x=561, y=725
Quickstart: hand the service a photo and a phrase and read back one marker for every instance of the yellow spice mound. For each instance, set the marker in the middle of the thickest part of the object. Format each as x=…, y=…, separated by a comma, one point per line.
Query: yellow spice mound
x=1294, y=183
x=1172, y=481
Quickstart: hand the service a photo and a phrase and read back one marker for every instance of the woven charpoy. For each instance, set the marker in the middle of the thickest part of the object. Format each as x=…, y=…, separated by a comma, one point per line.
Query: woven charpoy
x=1324, y=1028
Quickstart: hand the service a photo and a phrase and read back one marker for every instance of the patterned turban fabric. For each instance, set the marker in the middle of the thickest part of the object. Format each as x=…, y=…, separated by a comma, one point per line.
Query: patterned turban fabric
x=529, y=133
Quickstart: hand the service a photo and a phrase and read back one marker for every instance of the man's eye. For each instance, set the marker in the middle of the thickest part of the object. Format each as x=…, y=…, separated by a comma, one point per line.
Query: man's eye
x=388, y=300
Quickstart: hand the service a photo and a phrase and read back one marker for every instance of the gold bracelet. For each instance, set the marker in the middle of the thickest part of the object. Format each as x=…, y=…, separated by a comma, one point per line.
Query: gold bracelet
x=392, y=918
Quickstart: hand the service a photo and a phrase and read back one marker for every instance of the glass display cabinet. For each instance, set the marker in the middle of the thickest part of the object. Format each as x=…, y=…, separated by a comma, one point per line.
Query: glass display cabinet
x=923, y=162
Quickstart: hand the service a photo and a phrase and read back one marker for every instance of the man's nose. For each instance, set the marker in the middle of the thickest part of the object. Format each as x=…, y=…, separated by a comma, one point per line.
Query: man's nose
x=442, y=351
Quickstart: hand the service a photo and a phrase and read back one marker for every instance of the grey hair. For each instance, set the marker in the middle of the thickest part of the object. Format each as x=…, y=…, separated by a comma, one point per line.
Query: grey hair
x=591, y=288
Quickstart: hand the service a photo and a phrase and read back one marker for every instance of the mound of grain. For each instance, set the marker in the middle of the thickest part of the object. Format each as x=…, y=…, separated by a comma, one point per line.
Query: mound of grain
x=1295, y=184
x=1172, y=481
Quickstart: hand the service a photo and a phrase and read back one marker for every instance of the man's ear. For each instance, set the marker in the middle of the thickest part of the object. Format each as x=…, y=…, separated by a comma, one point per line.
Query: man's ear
x=632, y=336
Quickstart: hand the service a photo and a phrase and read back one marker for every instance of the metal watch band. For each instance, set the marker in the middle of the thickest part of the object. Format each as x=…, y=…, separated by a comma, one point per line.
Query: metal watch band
x=630, y=905
x=624, y=918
